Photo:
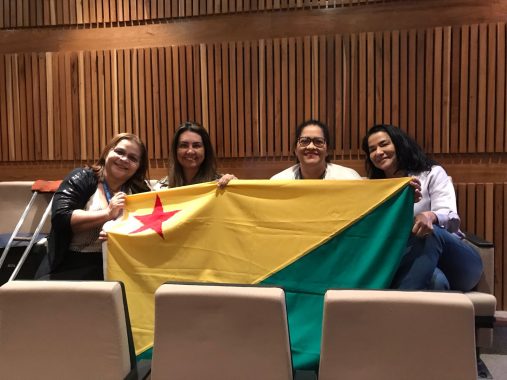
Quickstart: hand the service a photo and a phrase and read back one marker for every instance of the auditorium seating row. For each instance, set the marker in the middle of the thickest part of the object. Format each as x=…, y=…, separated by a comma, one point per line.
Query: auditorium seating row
x=80, y=330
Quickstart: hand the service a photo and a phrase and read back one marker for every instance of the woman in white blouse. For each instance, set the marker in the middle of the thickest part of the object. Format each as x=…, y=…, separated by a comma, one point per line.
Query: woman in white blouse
x=435, y=245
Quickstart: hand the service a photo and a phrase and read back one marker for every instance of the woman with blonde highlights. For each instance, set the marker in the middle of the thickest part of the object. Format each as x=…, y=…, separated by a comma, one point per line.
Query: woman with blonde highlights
x=87, y=198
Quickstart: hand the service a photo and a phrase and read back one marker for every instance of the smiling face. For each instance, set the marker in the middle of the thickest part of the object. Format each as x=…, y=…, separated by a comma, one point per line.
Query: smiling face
x=383, y=153
x=122, y=161
x=307, y=152
x=191, y=151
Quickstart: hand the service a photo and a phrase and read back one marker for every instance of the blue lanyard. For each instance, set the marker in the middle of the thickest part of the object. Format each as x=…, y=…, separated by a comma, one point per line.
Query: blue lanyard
x=107, y=192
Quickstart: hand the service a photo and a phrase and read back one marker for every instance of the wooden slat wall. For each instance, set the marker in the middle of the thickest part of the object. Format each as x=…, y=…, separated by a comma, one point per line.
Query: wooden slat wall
x=407, y=77
x=36, y=13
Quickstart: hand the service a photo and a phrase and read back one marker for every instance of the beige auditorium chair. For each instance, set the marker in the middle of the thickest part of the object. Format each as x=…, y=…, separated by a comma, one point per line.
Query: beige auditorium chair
x=220, y=332
x=482, y=296
x=389, y=335
x=22, y=211
x=14, y=196
x=483, y=300
x=65, y=330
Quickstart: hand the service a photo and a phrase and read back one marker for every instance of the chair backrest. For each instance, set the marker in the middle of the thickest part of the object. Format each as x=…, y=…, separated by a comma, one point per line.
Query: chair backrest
x=220, y=332
x=487, y=252
x=64, y=330
x=369, y=334
x=14, y=197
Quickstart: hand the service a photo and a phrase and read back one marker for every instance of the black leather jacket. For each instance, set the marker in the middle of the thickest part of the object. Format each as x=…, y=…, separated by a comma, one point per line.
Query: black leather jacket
x=73, y=194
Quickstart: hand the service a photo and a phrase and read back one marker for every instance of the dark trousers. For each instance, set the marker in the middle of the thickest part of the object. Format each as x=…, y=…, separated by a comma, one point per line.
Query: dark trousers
x=78, y=266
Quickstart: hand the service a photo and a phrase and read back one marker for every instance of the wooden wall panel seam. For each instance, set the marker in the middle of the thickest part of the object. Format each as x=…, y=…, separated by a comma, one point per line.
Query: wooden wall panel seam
x=89, y=13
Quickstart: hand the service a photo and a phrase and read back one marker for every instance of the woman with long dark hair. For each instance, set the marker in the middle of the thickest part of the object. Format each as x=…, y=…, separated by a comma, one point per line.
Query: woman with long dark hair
x=391, y=153
x=192, y=159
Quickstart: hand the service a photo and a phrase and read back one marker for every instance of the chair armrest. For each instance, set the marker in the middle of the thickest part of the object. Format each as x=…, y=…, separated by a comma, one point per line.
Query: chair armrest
x=479, y=242
x=486, y=250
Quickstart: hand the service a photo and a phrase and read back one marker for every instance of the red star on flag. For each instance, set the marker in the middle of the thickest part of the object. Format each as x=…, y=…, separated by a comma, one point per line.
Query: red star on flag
x=155, y=219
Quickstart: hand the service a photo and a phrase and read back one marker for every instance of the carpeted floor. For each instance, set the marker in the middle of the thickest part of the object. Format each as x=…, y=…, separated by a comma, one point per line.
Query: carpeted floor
x=495, y=357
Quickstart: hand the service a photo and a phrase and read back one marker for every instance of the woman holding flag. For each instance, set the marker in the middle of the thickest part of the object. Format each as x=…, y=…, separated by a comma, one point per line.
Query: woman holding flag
x=392, y=153
x=87, y=198
x=192, y=159
x=311, y=151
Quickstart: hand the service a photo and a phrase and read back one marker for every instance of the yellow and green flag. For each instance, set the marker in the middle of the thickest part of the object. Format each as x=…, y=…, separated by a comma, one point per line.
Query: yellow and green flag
x=304, y=236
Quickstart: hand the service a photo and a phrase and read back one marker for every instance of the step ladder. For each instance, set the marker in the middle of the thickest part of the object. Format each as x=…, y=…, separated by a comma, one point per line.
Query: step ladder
x=38, y=187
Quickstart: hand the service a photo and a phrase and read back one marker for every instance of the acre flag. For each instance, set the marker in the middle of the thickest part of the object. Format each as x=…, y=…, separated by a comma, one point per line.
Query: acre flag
x=304, y=236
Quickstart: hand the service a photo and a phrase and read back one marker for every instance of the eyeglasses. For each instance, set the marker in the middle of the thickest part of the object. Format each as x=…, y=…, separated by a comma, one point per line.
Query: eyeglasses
x=132, y=159
x=319, y=142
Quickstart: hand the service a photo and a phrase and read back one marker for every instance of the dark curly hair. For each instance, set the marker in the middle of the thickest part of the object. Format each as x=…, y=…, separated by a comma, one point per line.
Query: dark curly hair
x=411, y=157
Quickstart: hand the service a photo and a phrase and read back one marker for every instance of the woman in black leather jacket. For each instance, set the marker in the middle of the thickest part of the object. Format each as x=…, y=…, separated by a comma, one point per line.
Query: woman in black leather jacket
x=87, y=198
